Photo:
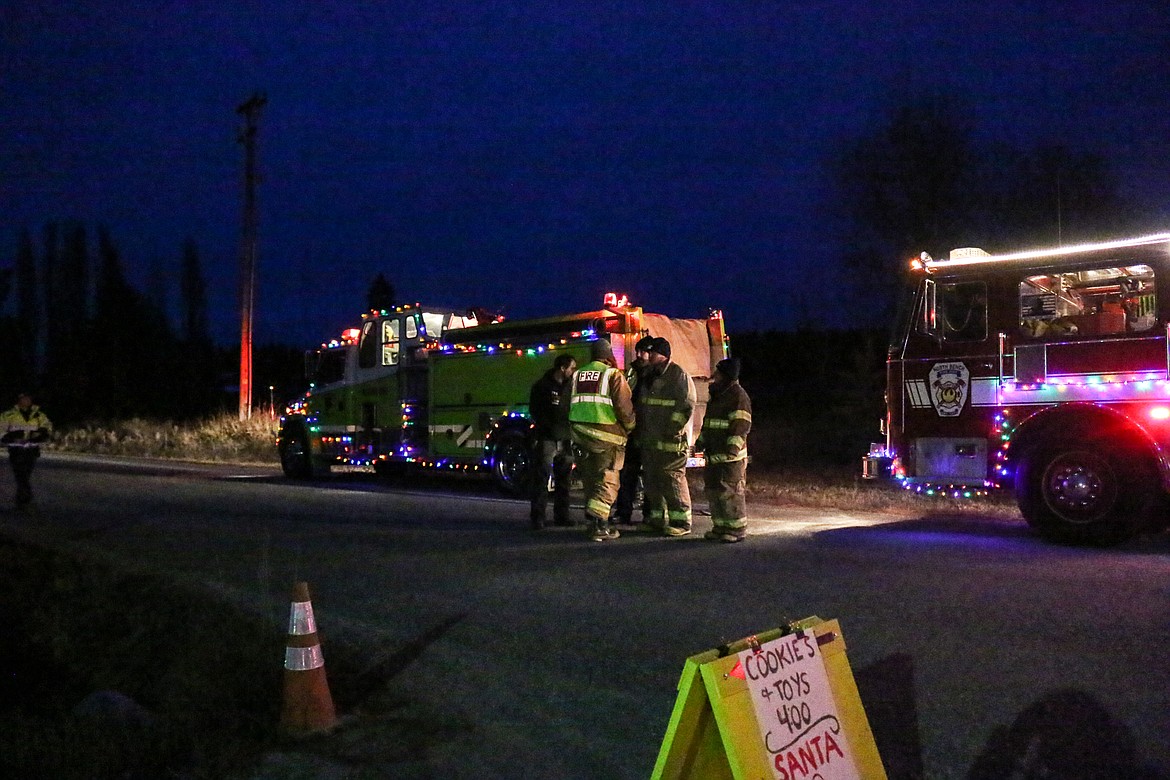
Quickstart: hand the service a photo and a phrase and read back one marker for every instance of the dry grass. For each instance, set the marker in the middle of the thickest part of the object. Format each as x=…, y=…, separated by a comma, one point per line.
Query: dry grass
x=225, y=439
x=843, y=488
x=221, y=439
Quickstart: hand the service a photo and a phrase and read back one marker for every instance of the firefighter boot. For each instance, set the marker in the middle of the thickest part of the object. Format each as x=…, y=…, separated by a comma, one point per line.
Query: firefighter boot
x=600, y=530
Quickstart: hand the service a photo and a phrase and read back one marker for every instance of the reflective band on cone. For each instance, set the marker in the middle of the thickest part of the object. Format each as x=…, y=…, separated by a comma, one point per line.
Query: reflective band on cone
x=307, y=706
x=302, y=659
x=300, y=619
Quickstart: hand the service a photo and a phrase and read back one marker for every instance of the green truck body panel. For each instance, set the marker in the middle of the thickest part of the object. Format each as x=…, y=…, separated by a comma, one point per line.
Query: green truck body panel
x=395, y=392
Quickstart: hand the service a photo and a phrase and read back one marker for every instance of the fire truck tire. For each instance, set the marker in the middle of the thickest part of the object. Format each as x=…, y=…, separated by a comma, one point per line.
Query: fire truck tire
x=510, y=463
x=391, y=471
x=296, y=460
x=1087, y=492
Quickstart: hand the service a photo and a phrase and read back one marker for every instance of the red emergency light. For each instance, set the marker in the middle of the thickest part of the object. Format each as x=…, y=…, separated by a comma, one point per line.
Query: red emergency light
x=614, y=300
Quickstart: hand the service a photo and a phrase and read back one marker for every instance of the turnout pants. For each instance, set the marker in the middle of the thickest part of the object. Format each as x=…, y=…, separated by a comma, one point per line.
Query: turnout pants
x=553, y=460
x=599, y=468
x=668, y=497
x=724, y=485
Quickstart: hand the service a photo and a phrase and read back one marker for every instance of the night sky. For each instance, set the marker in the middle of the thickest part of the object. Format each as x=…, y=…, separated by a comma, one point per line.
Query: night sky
x=529, y=156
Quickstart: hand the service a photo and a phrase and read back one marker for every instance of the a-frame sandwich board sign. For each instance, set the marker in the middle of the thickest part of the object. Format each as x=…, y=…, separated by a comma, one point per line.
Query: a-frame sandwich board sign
x=781, y=705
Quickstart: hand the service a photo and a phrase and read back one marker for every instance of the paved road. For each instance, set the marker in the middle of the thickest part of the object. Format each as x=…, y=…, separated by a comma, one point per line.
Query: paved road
x=976, y=646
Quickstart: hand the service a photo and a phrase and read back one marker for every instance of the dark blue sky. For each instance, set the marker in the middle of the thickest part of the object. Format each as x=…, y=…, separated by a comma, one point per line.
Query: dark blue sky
x=528, y=156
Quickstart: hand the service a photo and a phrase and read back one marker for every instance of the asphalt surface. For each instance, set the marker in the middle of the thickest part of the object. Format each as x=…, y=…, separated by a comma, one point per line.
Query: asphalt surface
x=979, y=650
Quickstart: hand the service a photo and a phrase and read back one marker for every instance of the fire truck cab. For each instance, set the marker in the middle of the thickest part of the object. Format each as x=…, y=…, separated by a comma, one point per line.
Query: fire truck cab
x=1045, y=372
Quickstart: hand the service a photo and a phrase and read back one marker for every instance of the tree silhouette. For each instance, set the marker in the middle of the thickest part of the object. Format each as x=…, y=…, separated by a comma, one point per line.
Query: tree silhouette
x=193, y=290
x=380, y=295
x=28, y=310
x=196, y=393
x=902, y=189
x=920, y=182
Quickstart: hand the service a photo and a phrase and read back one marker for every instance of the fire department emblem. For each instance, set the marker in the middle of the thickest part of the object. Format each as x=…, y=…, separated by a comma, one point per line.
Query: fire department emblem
x=949, y=383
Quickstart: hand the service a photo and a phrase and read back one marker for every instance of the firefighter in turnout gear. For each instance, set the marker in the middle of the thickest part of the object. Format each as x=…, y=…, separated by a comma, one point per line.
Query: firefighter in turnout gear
x=664, y=410
x=601, y=415
x=724, y=436
x=552, y=447
x=22, y=429
x=623, y=506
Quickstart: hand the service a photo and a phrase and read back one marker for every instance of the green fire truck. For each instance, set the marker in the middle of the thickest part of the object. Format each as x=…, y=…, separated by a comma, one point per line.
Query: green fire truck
x=427, y=387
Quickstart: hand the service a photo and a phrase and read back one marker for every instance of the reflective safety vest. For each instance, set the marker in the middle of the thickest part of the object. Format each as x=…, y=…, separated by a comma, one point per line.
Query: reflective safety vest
x=600, y=408
x=16, y=431
x=726, y=425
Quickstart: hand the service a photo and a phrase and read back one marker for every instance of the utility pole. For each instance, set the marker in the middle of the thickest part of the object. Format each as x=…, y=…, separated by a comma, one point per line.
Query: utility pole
x=250, y=110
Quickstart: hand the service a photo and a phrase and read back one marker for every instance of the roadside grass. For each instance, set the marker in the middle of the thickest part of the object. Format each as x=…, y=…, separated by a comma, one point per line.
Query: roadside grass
x=841, y=487
x=220, y=439
x=227, y=439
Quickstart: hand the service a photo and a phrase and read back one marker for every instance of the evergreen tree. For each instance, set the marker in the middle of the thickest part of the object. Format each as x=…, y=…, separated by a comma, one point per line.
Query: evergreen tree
x=28, y=310
x=193, y=290
x=53, y=311
x=199, y=392
x=137, y=369
x=380, y=295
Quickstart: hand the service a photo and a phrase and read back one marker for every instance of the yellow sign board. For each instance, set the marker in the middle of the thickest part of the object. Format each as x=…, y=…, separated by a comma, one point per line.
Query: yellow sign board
x=782, y=705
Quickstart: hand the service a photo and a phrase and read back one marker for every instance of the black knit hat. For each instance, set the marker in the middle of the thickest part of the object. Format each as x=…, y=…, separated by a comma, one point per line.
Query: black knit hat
x=601, y=350
x=643, y=344
x=661, y=346
x=729, y=367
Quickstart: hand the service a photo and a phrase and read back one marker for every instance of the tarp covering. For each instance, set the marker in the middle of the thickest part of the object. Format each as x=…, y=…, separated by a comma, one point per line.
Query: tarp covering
x=690, y=345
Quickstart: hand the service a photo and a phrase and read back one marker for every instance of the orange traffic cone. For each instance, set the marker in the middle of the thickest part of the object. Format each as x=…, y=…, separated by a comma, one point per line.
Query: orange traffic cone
x=308, y=705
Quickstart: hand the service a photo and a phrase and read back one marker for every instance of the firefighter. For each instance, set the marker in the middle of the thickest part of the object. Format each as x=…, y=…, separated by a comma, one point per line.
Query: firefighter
x=725, y=430
x=552, y=447
x=664, y=410
x=22, y=429
x=601, y=416
x=623, y=506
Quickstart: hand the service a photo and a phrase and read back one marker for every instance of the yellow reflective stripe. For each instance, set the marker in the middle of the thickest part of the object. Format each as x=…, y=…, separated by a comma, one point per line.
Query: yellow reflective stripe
x=735, y=441
x=599, y=435
x=659, y=402
x=679, y=418
x=716, y=424
x=716, y=458
x=670, y=446
x=595, y=399
x=597, y=508
x=740, y=415
x=680, y=514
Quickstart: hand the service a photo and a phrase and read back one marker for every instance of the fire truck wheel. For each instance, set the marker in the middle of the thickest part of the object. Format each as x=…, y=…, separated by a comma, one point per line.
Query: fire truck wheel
x=391, y=471
x=510, y=463
x=1086, y=492
x=296, y=461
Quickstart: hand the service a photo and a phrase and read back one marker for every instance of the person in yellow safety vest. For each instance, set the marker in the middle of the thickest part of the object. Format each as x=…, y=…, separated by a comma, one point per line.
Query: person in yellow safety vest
x=724, y=437
x=22, y=429
x=601, y=416
x=664, y=411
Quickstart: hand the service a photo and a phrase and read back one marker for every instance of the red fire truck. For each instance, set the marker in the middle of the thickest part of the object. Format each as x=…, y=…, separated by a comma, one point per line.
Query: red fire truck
x=1046, y=372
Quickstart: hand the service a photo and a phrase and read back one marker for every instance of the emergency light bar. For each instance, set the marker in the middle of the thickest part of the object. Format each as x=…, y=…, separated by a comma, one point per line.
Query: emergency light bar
x=612, y=300
x=969, y=256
